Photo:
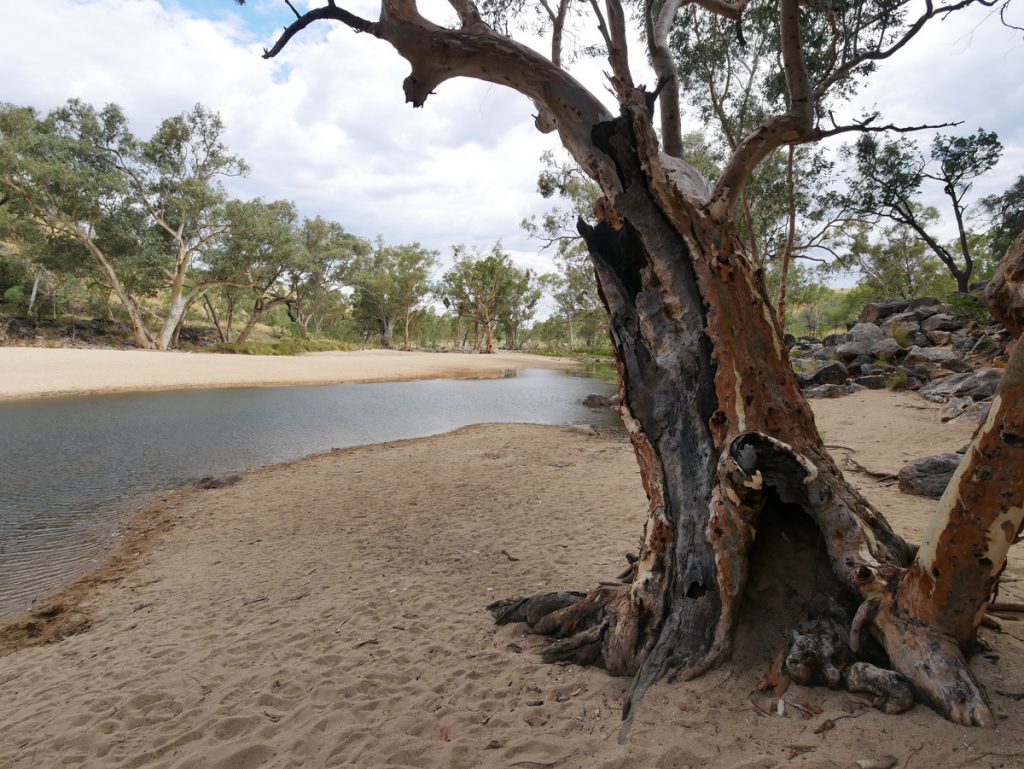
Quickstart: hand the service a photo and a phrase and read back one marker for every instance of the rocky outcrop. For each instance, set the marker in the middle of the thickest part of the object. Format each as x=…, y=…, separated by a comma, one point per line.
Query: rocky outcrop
x=918, y=344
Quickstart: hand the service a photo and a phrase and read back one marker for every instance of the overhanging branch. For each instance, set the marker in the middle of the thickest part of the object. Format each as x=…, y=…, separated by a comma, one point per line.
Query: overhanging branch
x=329, y=12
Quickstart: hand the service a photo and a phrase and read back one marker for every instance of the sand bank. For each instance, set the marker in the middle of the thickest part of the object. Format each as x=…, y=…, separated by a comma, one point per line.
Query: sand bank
x=329, y=612
x=37, y=371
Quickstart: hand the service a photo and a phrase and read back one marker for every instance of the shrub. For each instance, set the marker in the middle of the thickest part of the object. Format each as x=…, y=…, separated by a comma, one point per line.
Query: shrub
x=900, y=334
x=968, y=307
x=897, y=380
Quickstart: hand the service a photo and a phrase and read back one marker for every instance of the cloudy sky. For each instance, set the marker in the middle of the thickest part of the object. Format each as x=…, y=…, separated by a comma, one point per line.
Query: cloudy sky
x=325, y=124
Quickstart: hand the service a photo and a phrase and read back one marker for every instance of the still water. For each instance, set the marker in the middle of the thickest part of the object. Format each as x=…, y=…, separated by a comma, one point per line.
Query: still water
x=72, y=469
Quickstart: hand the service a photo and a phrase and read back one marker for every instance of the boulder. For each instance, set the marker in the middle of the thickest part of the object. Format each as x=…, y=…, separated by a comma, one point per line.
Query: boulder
x=926, y=304
x=903, y=328
x=831, y=373
x=827, y=391
x=953, y=408
x=941, y=322
x=938, y=338
x=956, y=365
x=928, y=355
x=878, y=310
x=825, y=353
x=942, y=389
x=978, y=386
x=989, y=345
x=871, y=382
x=595, y=401
x=928, y=477
x=885, y=349
x=858, y=341
x=901, y=317
x=831, y=340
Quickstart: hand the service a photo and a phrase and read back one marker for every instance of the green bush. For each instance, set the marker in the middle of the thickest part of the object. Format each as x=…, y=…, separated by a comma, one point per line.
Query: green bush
x=967, y=307
x=282, y=347
x=14, y=297
x=900, y=334
x=897, y=380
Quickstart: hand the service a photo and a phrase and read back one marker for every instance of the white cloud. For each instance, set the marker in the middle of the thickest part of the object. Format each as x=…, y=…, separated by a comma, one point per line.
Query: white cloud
x=325, y=123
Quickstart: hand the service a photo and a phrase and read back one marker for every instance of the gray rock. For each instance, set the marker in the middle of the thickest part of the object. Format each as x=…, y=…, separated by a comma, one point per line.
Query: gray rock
x=905, y=328
x=928, y=355
x=858, y=341
x=826, y=391
x=831, y=340
x=595, y=401
x=885, y=349
x=939, y=338
x=831, y=373
x=825, y=353
x=941, y=322
x=942, y=389
x=901, y=317
x=871, y=382
x=928, y=477
x=958, y=365
x=878, y=310
x=988, y=345
x=979, y=386
x=864, y=331
x=926, y=304
x=953, y=408
x=976, y=412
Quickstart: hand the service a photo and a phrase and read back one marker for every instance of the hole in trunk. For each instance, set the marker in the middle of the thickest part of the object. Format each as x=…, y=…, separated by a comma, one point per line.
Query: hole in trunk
x=789, y=575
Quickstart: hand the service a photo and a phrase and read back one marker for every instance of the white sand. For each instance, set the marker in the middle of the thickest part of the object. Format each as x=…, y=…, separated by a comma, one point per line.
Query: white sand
x=37, y=371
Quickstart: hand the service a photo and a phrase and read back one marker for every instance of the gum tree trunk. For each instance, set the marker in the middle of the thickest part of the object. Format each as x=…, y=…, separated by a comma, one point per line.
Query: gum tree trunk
x=719, y=428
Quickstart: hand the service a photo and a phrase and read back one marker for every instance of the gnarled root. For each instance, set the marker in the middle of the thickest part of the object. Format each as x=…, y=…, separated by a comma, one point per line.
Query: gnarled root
x=585, y=623
x=936, y=667
x=821, y=653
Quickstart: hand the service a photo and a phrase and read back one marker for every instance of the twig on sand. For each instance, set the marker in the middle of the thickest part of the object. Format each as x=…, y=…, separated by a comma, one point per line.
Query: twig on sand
x=556, y=762
x=914, y=752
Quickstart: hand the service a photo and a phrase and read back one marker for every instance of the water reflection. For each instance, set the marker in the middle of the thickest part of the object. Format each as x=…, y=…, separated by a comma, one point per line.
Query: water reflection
x=71, y=468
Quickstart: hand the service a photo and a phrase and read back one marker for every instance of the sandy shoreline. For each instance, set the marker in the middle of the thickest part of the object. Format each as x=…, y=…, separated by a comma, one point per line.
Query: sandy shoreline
x=34, y=372
x=329, y=612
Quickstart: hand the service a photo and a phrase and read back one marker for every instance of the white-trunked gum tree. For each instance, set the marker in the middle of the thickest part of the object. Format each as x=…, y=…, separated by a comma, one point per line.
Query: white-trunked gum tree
x=723, y=437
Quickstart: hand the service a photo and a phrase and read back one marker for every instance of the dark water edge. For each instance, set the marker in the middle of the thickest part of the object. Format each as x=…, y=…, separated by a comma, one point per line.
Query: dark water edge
x=74, y=470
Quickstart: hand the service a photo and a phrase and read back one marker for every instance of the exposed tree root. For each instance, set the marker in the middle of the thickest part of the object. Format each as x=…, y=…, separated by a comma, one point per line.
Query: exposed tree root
x=841, y=646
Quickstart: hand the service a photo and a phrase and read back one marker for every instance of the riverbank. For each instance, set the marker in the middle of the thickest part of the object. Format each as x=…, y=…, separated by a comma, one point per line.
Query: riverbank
x=329, y=611
x=31, y=372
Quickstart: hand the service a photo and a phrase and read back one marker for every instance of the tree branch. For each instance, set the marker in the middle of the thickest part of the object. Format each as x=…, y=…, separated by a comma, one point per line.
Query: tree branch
x=793, y=126
x=931, y=11
x=866, y=126
x=330, y=11
x=668, y=77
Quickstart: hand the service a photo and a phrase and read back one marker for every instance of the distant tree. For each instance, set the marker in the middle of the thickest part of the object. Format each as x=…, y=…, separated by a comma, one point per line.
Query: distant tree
x=258, y=255
x=390, y=284
x=136, y=215
x=326, y=256
x=887, y=177
x=894, y=262
x=488, y=289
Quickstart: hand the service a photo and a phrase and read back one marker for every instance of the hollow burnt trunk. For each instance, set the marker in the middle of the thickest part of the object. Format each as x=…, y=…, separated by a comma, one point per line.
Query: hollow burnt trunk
x=719, y=427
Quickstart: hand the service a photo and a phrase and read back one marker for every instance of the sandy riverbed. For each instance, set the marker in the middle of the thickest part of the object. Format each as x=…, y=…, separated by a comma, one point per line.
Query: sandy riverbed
x=37, y=371
x=329, y=612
